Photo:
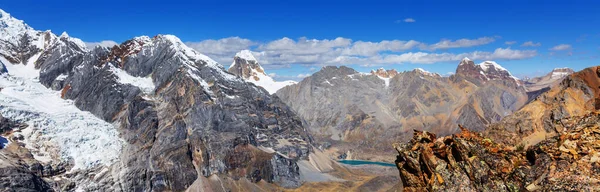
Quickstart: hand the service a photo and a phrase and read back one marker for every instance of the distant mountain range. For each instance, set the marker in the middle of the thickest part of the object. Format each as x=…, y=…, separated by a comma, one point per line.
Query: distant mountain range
x=363, y=113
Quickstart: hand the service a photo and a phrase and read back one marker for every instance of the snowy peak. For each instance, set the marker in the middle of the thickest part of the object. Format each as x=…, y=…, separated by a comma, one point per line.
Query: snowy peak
x=485, y=71
x=11, y=28
x=381, y=72
x=246, y=55
x=494, y=70
x=559, y=73
x=247, y=67
x=21, y=44
x=425, y=72
x=491, y=65
x=466, y=61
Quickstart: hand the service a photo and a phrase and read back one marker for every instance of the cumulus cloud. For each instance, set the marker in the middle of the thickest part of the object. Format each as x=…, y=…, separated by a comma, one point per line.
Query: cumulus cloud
x=447, y=44
x=561, y=47
x=302, y=75
x=409, y=20
x=298, y=77
x=510, y=42
x=284, y=52
x=222, y=50
x=531, y=44
x=105, y=43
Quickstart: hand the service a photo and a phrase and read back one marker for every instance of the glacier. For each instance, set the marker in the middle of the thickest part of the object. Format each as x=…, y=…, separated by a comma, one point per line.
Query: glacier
x=57, y=130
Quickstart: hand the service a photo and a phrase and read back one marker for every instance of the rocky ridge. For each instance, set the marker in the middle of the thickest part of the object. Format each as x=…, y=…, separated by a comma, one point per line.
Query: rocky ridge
x=365, y=112
x=181, y=117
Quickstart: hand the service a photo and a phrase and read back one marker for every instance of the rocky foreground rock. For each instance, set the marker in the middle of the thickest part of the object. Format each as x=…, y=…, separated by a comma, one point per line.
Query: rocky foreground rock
x=467, y=161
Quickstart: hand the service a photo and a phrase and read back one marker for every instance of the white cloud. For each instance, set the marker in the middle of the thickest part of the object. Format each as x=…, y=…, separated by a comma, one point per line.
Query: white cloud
x=303, y=75
x=531, y=44
x=105, y=43
x=510, y=42
x=409, y=20
x=298, y=77
x=222, y=50
x=429, y=58
x=284, y=52
x=561, y=47
x=447, y=44
x=372, y=48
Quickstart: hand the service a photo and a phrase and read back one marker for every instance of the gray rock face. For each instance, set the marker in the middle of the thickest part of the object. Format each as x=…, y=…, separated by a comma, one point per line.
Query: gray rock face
x=368, y=112
x=18, y=179
x=181, y=115
x=194, y=118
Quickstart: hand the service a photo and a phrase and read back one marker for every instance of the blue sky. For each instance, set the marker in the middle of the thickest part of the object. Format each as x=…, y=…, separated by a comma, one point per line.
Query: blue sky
x=295, y=38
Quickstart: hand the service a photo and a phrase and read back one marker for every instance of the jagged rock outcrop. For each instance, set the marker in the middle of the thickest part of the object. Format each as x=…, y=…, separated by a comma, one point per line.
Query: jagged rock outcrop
x=470, y=162
x=368, y=112
x=180, y=116
x=247, y=67
x=381, y=72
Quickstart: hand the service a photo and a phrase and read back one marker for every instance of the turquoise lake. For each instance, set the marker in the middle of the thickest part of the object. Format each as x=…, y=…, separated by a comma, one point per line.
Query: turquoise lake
x=362, y=162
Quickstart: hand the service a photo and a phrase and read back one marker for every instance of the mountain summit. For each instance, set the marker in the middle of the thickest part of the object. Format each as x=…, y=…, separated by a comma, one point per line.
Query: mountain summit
x=484, y=72
x=247, y=67
x=150, y=114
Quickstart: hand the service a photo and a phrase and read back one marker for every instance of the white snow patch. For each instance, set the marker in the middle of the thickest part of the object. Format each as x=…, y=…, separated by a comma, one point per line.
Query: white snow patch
x=269, y=84
x=144, y=83
x=558, y=75
x=425, y=72
x=385, y=80
x=61, y=77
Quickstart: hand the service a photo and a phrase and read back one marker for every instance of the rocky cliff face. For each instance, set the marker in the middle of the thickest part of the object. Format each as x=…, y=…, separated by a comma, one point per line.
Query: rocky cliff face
x=178, y=116
x=366, y=112
x=247, y=67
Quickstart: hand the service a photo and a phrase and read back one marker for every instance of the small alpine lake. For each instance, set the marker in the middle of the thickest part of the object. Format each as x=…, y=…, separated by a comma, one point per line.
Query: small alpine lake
x=363, y=162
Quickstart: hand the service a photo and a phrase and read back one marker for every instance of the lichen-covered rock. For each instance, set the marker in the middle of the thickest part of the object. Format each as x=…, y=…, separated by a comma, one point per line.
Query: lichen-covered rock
x=470, y=162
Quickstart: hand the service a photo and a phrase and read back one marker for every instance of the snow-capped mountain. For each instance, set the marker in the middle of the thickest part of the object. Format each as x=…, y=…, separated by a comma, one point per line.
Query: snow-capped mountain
x=246, y=66
x=484, y=72
x=150, y=114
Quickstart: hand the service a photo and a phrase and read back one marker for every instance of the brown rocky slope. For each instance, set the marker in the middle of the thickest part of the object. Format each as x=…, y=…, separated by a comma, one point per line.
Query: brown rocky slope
x=550, y=144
